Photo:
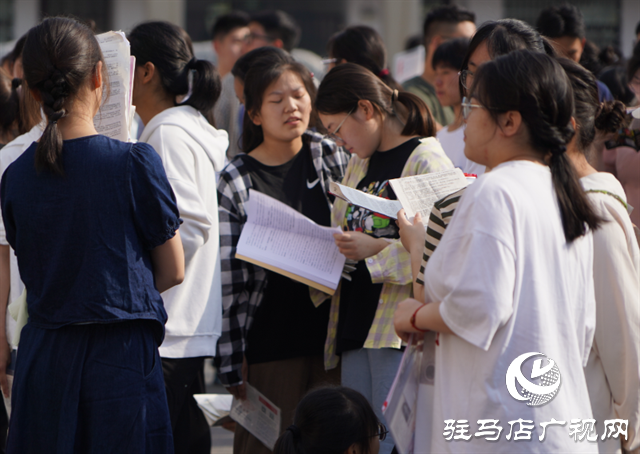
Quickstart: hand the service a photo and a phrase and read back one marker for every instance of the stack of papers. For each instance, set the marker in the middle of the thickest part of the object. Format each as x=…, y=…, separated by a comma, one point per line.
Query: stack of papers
x=116, y=113
x=214, y=406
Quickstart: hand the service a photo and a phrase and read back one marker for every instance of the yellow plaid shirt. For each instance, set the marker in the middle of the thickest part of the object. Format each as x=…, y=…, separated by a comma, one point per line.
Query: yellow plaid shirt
x=390, y=267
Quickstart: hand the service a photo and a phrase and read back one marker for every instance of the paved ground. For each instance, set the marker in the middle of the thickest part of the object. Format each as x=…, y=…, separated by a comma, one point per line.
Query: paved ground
x=221, y=439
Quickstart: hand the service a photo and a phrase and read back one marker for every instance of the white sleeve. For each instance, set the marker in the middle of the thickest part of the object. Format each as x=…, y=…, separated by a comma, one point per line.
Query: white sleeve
x=179, y=164
x=481, y=278
x=617, y=337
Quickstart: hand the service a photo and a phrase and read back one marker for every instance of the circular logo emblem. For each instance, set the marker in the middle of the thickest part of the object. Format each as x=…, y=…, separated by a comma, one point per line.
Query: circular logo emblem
x=547, y=380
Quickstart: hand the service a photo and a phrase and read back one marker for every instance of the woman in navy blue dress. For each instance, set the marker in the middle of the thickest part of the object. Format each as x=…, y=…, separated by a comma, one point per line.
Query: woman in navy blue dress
x=94, y=224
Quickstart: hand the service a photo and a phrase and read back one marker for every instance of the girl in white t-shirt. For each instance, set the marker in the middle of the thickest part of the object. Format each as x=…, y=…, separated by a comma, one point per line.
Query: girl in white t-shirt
x=510, y=286
x=447, y=58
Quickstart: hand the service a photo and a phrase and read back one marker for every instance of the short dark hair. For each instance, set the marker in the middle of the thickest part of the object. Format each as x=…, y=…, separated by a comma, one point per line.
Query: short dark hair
x=448, y=14
x=262, y=57
x=559, y=21
x=363, y=46
x=638, y=28
x=451, y=53
x=279, y=25
x=330, y=420
x=229, y=22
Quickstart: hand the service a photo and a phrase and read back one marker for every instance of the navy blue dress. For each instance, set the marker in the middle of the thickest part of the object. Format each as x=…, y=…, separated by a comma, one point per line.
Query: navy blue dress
x=88, y=377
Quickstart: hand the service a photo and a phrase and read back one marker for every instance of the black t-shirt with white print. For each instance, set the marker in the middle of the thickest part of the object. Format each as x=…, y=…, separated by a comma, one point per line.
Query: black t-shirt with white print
x=359, y=297
x=287, y=324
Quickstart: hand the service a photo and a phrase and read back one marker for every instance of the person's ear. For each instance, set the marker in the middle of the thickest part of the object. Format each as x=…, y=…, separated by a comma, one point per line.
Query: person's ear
x=278, y=43
x=342, y=61
x=574, y=124
x=97, y=76
x=216, y=46
x=367, y=109
x=353, y=449
x=583, y=41
x=255, y=118
x=147, y=72
x=510, y=123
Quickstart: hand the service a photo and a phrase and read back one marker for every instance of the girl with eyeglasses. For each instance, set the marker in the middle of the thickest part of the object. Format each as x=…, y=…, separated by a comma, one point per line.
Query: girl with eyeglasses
x=513, y=275
x=492, y=40
x=333, y=421
x=390, y=135
x=272, y=334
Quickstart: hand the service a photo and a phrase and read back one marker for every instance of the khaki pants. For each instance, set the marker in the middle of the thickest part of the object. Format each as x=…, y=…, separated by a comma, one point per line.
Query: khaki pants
x=284, y=383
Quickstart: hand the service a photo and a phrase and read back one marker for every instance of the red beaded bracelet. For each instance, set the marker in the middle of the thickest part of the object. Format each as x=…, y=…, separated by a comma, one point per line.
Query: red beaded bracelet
x=413, y=320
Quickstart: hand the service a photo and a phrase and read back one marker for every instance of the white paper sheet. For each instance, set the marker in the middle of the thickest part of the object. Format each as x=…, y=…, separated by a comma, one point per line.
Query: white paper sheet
x=214, y=406
x=114, y=116
x=278, y=235
x=408, y=64
x=258, y=415
x=400, y=407
x=418, y=193
x=379, y=205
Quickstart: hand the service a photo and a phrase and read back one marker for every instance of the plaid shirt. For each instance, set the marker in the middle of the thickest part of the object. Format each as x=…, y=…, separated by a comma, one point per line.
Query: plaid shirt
x=242, y=282
x=391, y=266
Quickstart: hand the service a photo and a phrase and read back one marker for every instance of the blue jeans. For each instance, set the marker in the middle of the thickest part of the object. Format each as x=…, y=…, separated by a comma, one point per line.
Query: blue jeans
x=371, y=372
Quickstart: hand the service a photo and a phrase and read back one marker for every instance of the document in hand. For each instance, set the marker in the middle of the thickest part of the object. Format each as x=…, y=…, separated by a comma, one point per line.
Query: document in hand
x=214, y=406
x=400, y=409
x=278, y=238
x=418, y=193
x=373, y=203
x=415, y=194
x=115, y=116
x=258, y=415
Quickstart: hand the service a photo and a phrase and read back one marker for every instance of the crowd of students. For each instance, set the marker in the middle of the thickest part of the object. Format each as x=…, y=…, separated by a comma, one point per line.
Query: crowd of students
x=126, y=251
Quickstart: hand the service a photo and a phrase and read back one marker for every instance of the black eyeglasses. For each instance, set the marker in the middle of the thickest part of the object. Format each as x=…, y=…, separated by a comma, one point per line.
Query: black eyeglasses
x=464, y=74
x=382, y=431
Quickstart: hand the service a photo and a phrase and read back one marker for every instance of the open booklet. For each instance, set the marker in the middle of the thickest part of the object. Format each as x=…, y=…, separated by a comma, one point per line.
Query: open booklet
x=416, y=194
x=115, y=116
x=280, y=239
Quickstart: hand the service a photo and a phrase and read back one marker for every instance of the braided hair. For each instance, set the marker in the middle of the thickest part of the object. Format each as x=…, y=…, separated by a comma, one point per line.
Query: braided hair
x=59, y=57
x=535, y=85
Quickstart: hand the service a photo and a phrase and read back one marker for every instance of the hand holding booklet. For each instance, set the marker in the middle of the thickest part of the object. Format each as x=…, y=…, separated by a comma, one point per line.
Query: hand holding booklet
x=280, y=239
x=416, y=194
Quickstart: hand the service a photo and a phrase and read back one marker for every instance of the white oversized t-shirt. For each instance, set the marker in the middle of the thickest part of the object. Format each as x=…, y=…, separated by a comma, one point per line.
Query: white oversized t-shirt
x=510, y=284
x=453, y=145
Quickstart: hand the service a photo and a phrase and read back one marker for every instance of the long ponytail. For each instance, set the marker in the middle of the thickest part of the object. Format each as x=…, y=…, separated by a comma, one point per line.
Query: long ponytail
x=535, y=85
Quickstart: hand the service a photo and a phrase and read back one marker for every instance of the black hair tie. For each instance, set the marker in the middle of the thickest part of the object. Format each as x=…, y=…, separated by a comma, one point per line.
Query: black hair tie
x=192, y=63
x=295, y=431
